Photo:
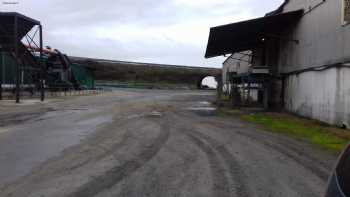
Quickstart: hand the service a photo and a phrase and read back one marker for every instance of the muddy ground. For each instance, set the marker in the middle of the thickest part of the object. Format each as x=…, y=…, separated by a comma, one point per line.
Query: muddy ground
x=138, y=143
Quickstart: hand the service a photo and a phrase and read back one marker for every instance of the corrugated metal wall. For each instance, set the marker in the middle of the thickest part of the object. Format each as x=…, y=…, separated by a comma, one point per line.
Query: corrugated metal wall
x=8, y=70
x=83, y=75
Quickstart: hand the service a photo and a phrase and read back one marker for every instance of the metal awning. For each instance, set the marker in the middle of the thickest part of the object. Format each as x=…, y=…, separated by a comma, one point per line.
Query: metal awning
x=246, y=35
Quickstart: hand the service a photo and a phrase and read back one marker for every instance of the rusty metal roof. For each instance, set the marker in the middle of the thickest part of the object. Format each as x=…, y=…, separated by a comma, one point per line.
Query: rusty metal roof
x=246, y=35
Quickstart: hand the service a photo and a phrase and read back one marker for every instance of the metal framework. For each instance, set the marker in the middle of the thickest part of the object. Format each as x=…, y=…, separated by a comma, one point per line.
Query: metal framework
x=241, y=84
x=243, y=56
x=15, y=36
x=245, y=83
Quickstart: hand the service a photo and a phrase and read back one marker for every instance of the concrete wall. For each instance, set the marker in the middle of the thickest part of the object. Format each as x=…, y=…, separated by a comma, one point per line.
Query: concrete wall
x=322, y=95
x=323, y=38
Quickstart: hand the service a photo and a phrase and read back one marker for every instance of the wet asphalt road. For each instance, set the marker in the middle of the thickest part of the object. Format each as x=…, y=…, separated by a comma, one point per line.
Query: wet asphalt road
x=150, y=143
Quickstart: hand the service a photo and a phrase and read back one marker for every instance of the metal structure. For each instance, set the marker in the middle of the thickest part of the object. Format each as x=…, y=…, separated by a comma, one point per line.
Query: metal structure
x=27, y=67
x=257, y=78
x=247, y=35
x=246, y=84
x=62, y=73
x=261, y=36
x=16, y=33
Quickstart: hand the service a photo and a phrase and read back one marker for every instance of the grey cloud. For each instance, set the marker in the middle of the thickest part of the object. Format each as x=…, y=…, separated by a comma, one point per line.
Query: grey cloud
x=78, y=18
x=113, y=11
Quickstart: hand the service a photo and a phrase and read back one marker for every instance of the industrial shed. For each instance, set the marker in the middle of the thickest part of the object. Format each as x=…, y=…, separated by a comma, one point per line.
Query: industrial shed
x=304, y=45
x=20, y=63
x=25, y=66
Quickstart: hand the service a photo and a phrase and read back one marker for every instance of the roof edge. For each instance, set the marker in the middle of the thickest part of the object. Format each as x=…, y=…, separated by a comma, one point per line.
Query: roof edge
x=16, y=14
x=209, y=51
x=278, y=10
x=300, y=11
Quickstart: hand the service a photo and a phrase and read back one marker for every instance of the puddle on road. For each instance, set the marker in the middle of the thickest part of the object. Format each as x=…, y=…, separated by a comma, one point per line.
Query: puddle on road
x=203, y=111
x=4, y=130
x=155, y=114
x=54, y=113
x=205, y=103
x=203, y=108
x=31, y=143
x=26, y=102
x=96, y=121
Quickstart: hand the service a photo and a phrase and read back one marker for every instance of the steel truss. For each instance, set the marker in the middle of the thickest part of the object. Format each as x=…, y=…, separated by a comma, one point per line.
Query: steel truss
x=16, y=40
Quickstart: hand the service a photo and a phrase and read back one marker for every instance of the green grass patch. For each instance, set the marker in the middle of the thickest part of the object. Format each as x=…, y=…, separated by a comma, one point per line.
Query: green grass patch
x=225, y=98
x=224, y=112
x=326, y=137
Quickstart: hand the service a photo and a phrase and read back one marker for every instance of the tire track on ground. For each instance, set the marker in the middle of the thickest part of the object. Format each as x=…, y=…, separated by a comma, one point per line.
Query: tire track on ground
x=118, y=173
x=279, y=144
x=237, y=176
x=235, y=170
x=105, y=151
x=96, y=149
x=285, y=148
x=221, y=186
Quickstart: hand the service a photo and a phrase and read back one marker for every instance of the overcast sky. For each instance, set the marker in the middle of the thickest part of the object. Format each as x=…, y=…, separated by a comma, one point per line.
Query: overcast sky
x=158, y=31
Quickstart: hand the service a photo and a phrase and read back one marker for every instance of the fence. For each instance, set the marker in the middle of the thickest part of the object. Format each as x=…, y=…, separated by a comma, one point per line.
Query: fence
x=29, y=92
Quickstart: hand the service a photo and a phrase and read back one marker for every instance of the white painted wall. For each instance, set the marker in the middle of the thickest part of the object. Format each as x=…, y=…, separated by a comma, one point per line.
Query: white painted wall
x=322, y=95
x=233, y=64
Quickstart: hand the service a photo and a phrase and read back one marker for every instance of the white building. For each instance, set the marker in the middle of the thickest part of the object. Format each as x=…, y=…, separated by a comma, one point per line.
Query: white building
x=238, y=63
x=306, y=45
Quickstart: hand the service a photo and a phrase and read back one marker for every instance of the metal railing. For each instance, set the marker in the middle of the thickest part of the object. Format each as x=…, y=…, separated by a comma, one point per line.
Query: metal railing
x=62, y=92
x=31, y=93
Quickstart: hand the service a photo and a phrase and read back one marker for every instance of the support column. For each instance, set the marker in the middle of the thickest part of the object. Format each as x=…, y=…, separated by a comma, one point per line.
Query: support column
x=266, y=95
x=283, y=91
x=219, y=89
x=1, y=72
x=42, y=66
x=248, y=97
x=236, y=96
x=18, y=67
